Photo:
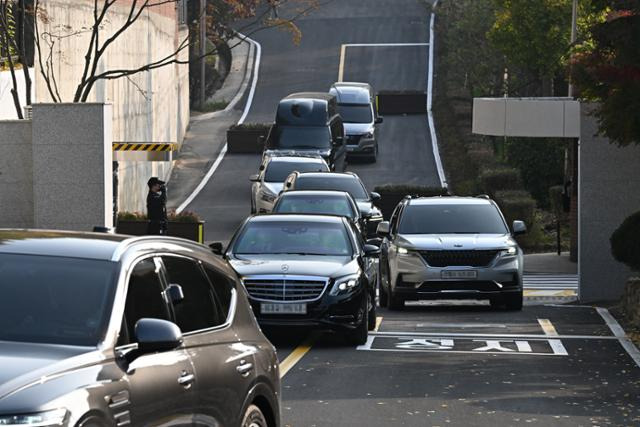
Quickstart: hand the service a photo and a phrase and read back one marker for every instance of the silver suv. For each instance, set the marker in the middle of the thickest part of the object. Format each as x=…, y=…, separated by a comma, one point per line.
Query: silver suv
x=356, y=106
x=450, y=248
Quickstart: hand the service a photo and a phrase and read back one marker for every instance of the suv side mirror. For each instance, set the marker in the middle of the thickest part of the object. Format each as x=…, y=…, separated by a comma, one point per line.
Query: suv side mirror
x=254, y=178
x=375, y=241
x=379, y=119
x=519, y=227
x=383, y=229
x=216, y=248
x=371, y=250
x=153, y=335
x=375, y=196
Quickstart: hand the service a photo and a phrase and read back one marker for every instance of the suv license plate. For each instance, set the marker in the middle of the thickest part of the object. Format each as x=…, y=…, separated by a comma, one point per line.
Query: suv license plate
x=283, y=308
x=459, y=274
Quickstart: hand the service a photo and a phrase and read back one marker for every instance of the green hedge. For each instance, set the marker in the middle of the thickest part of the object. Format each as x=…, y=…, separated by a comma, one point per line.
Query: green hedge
x=516, y=205
x=625, y=242
x=391, y=195
x=498, y=179
x=184, y=216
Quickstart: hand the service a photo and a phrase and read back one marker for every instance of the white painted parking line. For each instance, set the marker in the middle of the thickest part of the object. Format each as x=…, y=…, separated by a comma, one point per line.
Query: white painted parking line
x=620, y=334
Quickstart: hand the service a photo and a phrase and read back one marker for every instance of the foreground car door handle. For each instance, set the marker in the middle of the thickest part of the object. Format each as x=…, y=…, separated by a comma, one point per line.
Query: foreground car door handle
x=186, y=380
x=244, y=368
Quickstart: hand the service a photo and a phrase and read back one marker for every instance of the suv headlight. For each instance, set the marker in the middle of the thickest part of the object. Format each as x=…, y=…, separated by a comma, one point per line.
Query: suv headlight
x=345, y=285
x=508, y=252
x=40, y=419
x=267, y=196
x=368, y=135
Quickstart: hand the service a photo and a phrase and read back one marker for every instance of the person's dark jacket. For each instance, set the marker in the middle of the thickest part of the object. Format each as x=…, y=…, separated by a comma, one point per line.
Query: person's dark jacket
x=157, y=206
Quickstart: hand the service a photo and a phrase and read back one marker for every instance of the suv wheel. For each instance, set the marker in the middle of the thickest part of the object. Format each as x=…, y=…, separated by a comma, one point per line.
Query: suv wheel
x=254, y=417
x=383, y=284
x=513, y=301
x=395, y=302
x=374, y=157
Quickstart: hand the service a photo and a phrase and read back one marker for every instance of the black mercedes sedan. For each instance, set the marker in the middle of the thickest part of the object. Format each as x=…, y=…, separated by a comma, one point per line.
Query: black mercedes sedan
x=106, y=330
x=307, y=270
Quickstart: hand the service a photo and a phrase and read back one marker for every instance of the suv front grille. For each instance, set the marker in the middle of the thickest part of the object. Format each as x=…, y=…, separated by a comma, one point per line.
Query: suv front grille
x=353, y=139
x=480, y=258
x=285, y=288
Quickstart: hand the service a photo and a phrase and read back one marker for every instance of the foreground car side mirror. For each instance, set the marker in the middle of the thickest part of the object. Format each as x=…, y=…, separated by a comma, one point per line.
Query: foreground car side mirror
x=375, y=196
x=216, y=248
x=154, y=335
x=383, y=229
x=254, y=178
x=519, y=228
x=371, y=250
x=379, y=119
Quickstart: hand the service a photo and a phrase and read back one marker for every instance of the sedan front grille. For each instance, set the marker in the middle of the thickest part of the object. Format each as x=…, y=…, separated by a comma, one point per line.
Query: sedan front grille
x=285, y=288
x=480, y=258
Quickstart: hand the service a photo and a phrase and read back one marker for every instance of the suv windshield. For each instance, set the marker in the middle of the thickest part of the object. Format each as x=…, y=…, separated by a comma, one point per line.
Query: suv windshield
x=56, y=300
x=287, y=237
x=301, y=137
x=331, y=205
x=355, y=113
x=279, y=171
x=347, y=183
x=451, y=219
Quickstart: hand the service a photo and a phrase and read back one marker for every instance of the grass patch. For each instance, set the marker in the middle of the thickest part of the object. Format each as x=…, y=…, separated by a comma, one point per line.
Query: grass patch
x=214, y=106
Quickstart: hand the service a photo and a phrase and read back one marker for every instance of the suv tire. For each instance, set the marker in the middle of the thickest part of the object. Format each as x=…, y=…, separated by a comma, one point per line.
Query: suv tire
x=374, y=157
x=382, y=290
x=371, y=316
x=513, y=301
x=254, y=417
x=396, y=303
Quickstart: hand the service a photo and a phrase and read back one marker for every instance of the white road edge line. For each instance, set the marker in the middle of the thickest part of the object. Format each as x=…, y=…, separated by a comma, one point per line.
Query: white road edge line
x=620, y=334
x=223, y=151
x=432, y=129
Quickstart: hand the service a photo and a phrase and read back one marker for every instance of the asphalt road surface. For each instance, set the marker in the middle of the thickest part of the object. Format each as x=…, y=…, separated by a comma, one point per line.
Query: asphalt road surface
x=432, y=364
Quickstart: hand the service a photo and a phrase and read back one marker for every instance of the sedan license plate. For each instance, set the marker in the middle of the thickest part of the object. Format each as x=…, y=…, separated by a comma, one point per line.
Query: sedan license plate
x=459, y=274
x=267, y=308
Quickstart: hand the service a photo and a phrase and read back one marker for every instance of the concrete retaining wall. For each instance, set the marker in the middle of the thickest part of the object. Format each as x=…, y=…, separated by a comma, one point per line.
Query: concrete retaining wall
x=609, y=192
x=147, y=107
x=16, y=174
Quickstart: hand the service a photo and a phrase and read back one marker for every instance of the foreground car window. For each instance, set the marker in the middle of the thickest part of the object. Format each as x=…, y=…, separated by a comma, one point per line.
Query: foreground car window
x=347, y=184
x=454, y=219
x=55, y=300
x=355, y=113
x=315, y=205
x=293, y=238
x=279, y=171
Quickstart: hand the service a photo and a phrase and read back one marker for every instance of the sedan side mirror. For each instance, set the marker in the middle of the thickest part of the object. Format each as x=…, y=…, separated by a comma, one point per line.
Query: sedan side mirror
x=375, y=196
x=154, y=335
x=371, y=250
x=216, y=248
x=383, y=229
x=379, y=119
x=519, y=228
x=254, y=178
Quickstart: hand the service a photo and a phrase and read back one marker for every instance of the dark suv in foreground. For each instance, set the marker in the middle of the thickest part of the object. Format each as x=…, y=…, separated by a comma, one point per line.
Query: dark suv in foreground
x=307, y=270
x=106, y=330
x=450, y=248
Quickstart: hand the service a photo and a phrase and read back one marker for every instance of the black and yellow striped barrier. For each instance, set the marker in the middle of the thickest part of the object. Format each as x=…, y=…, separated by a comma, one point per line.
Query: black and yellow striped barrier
x=144, y=151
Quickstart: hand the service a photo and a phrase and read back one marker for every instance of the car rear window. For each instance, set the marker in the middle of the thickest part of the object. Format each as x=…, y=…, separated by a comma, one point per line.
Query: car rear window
x=350, y=184
x=355, y=113
x=331, y=205
x=301, y=137
x=56, y=300
x=293, y=237
x=451, y=219
x=278, y=171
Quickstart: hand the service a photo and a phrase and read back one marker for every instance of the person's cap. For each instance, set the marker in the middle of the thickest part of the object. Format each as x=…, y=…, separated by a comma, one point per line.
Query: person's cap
x=153, y=181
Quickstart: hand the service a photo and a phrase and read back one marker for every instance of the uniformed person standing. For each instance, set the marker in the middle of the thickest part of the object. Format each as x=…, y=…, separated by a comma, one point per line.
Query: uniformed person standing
x=157, y=206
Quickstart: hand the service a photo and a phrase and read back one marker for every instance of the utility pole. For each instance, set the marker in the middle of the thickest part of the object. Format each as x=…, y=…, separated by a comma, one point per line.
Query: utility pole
x=574, y=31
x=203, y=39
x=573, y=215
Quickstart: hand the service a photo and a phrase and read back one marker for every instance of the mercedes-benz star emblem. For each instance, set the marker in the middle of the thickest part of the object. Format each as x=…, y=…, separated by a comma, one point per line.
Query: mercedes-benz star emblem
x=284, y=268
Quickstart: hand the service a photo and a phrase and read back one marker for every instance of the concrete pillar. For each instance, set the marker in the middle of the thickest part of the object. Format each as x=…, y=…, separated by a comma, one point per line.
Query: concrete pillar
x=72, y=163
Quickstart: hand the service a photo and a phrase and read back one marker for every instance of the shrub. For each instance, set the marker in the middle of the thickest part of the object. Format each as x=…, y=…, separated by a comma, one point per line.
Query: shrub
x=251, y=126
x=516, y=205
x=625, y=242
x=393, y=194
x=185, y=216
x=500, y=178
x=555, y=199
x=132, y=216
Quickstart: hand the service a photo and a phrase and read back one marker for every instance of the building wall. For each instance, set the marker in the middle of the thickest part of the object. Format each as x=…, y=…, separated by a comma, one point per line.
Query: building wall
x=609, y=192
x=16, y=174
x=151, y=106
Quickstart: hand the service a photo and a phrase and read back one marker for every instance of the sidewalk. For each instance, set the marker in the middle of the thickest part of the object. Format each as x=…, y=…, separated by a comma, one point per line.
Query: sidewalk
x=549, y=263
x=206, y=134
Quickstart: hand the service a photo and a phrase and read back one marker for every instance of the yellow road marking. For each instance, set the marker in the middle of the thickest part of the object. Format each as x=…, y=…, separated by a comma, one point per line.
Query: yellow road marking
x=548, y=327
x=297, y=354
x=378, y=322
x=343, y=50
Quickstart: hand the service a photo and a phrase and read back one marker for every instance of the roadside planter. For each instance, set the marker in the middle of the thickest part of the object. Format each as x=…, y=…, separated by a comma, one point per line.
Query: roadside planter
x=245, y=138
x=391, y=195
x=401, y=102
x=186, y=225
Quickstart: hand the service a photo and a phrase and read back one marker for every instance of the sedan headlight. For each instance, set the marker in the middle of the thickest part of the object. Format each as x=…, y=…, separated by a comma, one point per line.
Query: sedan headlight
x=40, y=419
x=509, y=251
x=345, y=285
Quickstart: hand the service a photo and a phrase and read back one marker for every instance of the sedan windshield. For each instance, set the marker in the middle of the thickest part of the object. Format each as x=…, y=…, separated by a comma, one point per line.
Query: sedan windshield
x=355, y=113
x=330, y=205
x=302, y=137
x=349, y=184
x=279, y=171
x=287, y=237
x=55, y=300
x=452, y=219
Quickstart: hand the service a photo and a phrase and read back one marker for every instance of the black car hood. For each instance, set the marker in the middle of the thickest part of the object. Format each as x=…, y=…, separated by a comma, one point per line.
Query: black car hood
x=307, y=265
x=23, y=363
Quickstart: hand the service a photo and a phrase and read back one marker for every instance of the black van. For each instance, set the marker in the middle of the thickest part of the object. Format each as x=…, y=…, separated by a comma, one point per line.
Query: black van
x=309, y=123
